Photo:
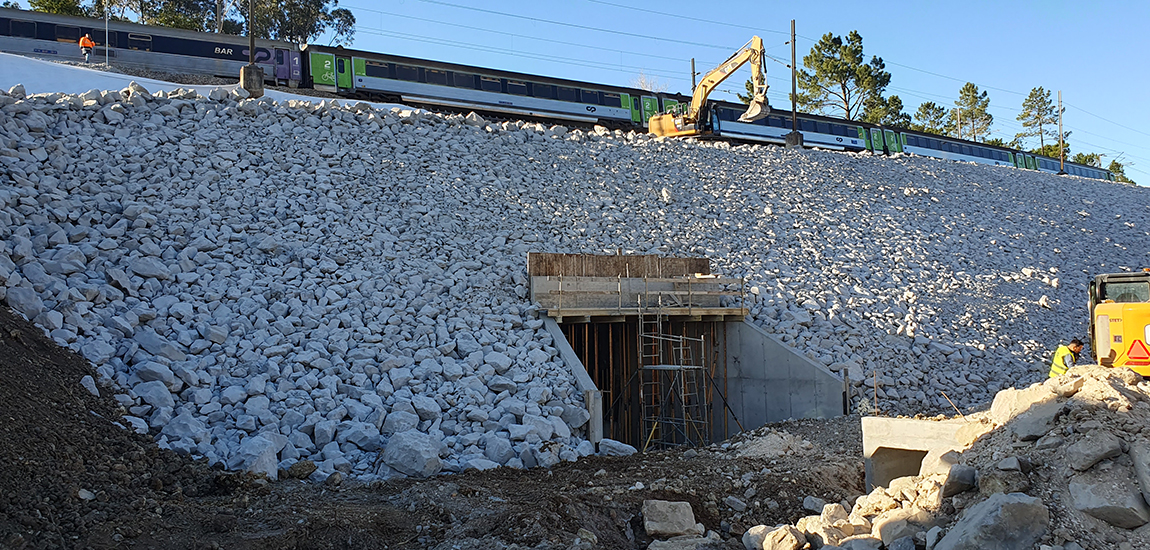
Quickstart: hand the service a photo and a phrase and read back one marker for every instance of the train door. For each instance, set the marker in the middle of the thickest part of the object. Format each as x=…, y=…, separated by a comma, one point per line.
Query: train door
x=892, y=141
x=283, y=66
x=650, y=108
x=631, y=104
x=876, y=143
x=670, y=105
x=295, y=68
x=343, y=73
x=322, y=70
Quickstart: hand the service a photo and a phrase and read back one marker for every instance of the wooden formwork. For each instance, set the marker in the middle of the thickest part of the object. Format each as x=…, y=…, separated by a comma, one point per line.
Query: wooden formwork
x=543, y=264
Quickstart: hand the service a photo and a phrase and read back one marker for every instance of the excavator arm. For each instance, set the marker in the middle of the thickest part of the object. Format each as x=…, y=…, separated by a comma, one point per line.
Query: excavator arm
x=686, y=124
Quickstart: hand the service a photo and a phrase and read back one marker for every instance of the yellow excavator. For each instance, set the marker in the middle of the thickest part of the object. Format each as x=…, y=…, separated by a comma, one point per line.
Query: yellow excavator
x=1120, y=320
x=688, y=123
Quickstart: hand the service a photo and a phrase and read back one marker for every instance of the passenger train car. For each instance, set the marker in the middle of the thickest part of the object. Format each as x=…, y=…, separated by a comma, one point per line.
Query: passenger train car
x=422, y=82
x=57, y=37
x=369, y=75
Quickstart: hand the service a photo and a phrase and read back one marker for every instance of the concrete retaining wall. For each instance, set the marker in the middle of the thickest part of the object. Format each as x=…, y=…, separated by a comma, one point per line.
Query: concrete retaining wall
x=591, y=394
x=768, y=381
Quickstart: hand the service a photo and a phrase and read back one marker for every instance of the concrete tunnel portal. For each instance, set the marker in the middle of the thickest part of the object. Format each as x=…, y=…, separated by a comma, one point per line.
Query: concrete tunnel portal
x=663, y=354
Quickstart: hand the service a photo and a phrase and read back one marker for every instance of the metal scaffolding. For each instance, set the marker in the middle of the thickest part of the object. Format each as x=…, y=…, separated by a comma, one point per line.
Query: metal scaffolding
x=673, y=381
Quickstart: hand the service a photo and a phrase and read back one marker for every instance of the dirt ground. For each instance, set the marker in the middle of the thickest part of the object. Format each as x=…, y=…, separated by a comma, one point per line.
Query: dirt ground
x=71, y=477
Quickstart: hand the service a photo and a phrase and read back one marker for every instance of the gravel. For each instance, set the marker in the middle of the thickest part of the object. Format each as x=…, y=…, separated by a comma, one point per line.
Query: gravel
x=245, y=263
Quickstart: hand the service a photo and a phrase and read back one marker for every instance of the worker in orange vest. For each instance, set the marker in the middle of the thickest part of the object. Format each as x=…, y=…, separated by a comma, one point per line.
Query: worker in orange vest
x=86, y=46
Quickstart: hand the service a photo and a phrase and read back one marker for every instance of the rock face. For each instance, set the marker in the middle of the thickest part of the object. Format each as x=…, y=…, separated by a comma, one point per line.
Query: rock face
x=1004, y=521
x=663, y=519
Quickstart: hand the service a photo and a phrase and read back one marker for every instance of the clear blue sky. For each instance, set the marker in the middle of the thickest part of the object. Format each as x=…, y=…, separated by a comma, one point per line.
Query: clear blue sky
x=1095, y=52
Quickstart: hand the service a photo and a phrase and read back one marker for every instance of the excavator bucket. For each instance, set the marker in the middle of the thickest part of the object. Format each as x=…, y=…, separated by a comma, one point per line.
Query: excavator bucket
x=757, y=109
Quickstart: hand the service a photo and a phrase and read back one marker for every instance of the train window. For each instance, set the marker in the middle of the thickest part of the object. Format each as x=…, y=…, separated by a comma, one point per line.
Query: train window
x=435, y=76
x=544, y=91
x=376, y=69
x=590, y=96
x=279, y=57
x=407, y=72
x=488, y=84
x=779, y=122
x=612, y=100
x=139, y=41
x=823, y=127
x=24, y=29
x=806, y=125
x=98, y=38
x=464, y=80
x=67, y=34
x=567, y=94
x=516, y=87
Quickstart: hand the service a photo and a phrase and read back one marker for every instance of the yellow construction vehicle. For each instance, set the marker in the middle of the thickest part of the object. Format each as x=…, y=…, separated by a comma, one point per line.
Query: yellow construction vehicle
x=687, y=122
x=1120, y=320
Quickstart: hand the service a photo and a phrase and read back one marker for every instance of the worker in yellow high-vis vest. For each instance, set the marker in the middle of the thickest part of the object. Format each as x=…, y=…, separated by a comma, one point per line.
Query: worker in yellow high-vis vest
x=1064, y=357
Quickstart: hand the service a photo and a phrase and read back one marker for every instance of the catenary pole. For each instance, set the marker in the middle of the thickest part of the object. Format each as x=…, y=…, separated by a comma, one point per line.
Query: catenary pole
x=1061, y=155
x=107, y=39
x=251, y=32
x=794, y=83
x=693, y=74
x=795, y=138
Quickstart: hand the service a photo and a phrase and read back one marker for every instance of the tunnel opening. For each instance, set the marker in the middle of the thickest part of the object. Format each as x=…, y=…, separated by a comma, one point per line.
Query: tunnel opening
x=663, y=386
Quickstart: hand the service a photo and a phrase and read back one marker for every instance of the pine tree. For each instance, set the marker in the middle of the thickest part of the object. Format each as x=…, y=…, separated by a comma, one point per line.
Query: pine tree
x=969, y=113
x=1039, y=117
x=1089, y=159
x=930, y=118
x=839, y=79
x=887, y=112
x=1119, y=171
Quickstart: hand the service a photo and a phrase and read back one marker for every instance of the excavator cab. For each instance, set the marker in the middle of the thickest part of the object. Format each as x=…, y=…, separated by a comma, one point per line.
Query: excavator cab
x=1120, y=320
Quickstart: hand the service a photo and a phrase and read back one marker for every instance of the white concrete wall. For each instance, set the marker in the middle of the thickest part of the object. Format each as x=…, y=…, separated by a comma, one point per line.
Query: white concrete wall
x=767, y=381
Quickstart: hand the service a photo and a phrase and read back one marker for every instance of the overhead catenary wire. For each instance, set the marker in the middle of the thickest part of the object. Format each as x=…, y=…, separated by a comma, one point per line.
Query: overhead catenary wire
x=576, y=25
x=515, y=34
x=543, y=57
x=676, y=78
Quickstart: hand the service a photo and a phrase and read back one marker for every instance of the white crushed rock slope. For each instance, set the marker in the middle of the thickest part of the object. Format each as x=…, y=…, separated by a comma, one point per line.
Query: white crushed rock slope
x=276, y=281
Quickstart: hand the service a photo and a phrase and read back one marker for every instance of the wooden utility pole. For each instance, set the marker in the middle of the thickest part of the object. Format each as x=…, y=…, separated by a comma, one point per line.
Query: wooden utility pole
x=795, y=138
x=960, y=123
x=1061, y=155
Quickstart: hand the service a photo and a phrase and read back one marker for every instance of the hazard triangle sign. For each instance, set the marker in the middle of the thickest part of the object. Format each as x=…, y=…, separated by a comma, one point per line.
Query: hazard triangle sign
x=1138, y=351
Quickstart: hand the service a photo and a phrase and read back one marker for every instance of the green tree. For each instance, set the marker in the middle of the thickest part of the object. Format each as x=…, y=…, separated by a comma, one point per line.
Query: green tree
x=196, y=15
x=1051, y=150
x=930, y=118
x=997, y=142
x=1039, y=117
x=839, y=79
x=61, y=7
x=969, y=113
x=1119, y=171
x=1089, y=159
x=302, y=21
x=887, y=112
